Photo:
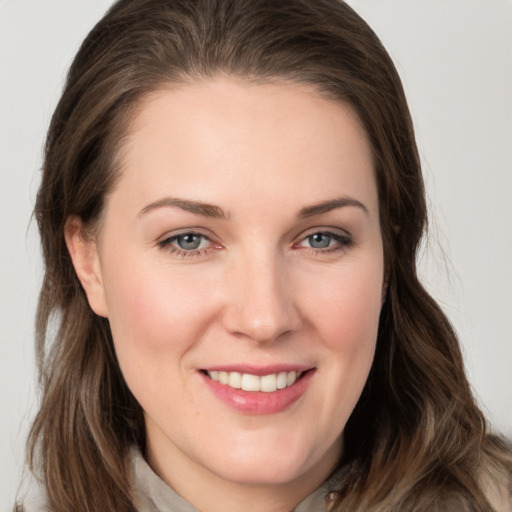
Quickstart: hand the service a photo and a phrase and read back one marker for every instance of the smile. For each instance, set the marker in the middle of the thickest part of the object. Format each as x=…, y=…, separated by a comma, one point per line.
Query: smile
x=249, y=382
x=258, y=391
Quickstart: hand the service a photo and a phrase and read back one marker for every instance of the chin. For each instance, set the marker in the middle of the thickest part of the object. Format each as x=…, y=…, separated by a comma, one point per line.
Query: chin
x=267, y=473
x=273, y=466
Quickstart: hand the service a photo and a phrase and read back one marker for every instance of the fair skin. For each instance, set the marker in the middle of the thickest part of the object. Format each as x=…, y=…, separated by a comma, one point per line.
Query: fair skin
x=243, y=238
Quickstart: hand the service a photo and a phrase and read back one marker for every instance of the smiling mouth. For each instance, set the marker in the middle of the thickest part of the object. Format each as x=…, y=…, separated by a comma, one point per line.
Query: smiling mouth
x=249, y=382
x=258, y=391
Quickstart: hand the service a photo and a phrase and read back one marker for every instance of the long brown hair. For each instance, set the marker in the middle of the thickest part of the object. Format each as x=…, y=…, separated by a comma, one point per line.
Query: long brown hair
x=416, y=440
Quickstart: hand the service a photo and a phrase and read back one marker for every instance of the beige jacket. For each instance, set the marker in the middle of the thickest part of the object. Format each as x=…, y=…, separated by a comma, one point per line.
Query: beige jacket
x=153, y=495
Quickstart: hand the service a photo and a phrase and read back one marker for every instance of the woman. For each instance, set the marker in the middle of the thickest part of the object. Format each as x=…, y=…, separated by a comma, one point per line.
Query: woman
x=230, y=211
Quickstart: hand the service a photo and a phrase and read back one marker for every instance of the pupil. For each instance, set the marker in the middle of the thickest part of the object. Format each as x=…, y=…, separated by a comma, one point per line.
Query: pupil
x=319, y=240
x=189, y=241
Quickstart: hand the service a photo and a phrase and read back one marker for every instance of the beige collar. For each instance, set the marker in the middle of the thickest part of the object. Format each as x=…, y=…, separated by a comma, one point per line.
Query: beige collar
x=152, y=494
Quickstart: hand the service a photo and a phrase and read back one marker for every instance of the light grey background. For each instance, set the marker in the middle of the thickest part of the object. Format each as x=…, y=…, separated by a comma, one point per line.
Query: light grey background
x=455, y=58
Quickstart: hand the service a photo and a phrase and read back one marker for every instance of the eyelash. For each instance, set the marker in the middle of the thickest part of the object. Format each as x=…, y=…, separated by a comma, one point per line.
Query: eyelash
x=167, y=244
x=342, y=242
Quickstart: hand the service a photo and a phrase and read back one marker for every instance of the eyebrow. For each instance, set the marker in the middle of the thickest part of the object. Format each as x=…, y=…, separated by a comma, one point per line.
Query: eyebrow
x=197, y=207
x=210, y=210
x=331, y=204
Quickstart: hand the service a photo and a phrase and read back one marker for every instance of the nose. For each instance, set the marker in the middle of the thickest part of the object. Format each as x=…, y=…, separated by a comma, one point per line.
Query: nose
x=261, y=302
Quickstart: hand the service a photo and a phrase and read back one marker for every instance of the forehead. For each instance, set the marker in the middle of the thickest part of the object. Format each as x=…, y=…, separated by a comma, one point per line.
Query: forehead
x=230, y=100
x=214, y=137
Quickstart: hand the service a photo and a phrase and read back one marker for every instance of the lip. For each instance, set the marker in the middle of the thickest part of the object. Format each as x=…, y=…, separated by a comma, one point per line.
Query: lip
x=259, y=370
x=259, y=402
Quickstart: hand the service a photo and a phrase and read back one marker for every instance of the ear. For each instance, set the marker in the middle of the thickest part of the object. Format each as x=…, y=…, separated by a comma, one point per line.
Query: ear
x=84, y=255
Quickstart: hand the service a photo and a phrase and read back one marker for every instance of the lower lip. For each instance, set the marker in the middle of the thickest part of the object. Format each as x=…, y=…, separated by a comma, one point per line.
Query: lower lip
x=259, y=402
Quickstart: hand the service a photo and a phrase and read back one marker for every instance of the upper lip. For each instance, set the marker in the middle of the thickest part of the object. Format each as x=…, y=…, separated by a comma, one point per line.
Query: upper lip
x=258, y=370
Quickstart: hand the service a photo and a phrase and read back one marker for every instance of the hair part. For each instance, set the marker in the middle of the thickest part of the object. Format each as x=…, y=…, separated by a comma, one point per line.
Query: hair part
x=416, y=440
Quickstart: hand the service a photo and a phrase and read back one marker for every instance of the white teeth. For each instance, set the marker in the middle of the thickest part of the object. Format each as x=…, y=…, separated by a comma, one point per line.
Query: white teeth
x=281, y=380
x=248, y=382
x=235, y=380
x=269, y=383
x=291, y=378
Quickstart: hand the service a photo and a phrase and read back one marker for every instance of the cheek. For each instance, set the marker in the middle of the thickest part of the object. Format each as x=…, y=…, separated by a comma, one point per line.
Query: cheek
x=156, y=316
x=347, y=317
x=347, y=309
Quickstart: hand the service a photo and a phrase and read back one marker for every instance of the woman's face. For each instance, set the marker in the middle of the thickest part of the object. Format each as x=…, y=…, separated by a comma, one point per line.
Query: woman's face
x=242, y=247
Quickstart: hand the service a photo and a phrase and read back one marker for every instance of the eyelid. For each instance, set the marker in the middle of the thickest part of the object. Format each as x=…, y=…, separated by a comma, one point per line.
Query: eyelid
x=186, y=231
x=342, y=236
x=166, y=243
x=323, y=229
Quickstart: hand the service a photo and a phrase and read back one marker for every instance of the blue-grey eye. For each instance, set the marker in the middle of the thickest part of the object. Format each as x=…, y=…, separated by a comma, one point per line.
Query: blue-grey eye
x=319, y=240
x=189, y=241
